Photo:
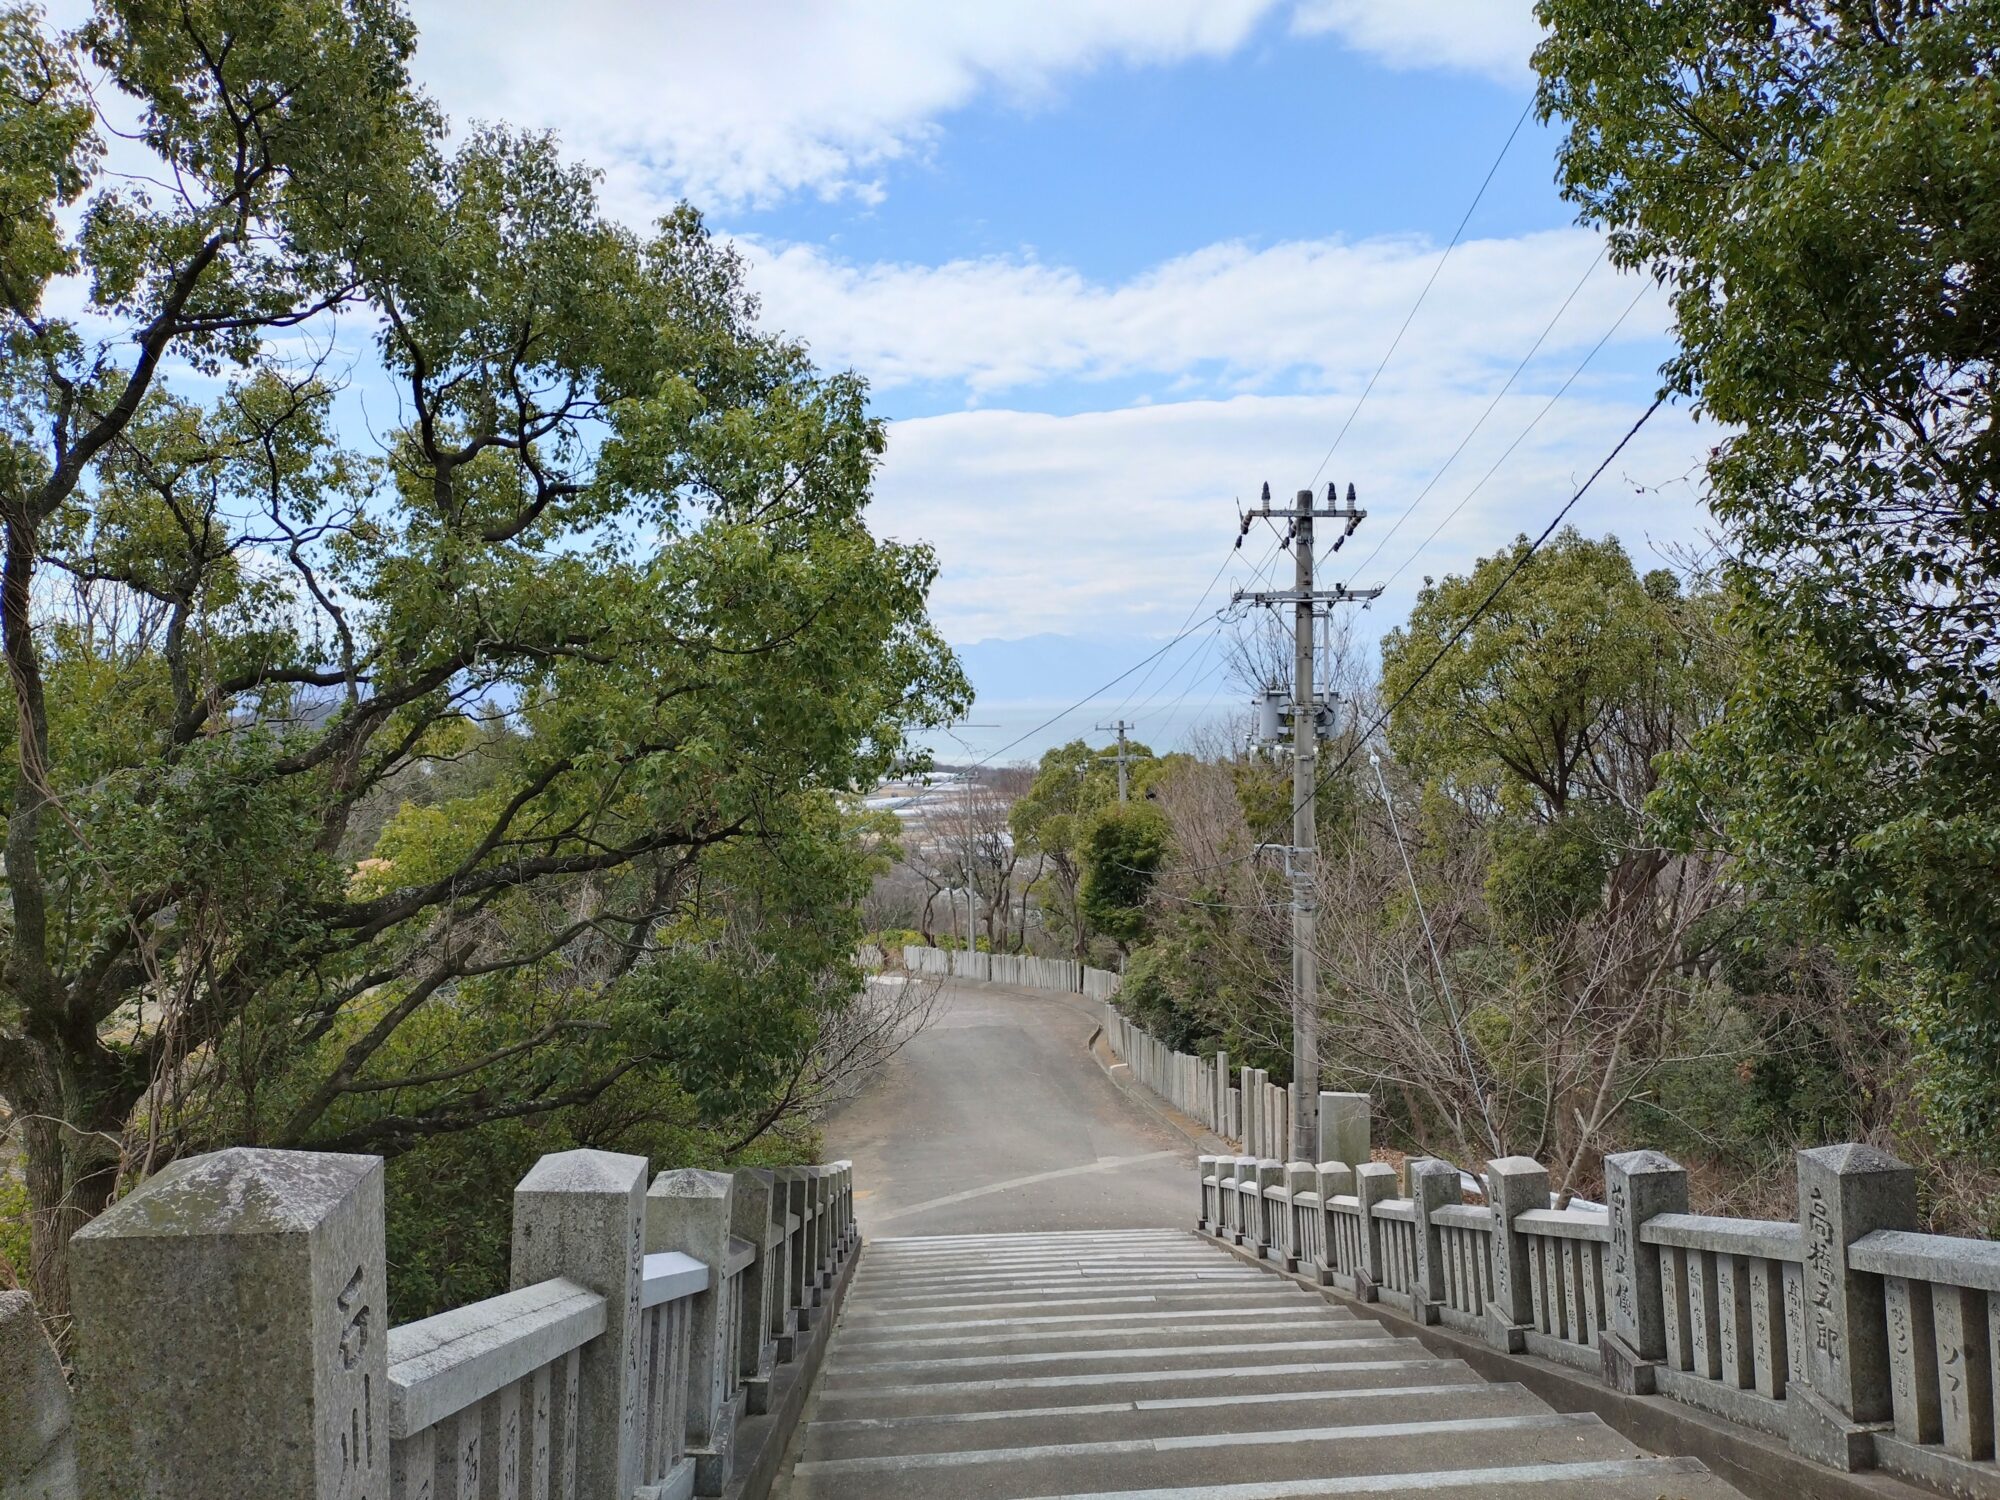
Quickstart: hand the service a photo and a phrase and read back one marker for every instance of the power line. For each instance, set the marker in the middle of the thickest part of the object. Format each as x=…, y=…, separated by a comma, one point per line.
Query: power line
x=1362, y=740
x=1093, y=695
x=1547, y=406
x=1456, y=235
x=1491, y=407
x=1487, y=603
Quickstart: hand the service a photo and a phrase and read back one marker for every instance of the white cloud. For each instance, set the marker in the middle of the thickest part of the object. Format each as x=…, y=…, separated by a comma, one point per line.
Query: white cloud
x=1232, y=314
x=1108, y=524
x=1494, y=37
x=734, y=101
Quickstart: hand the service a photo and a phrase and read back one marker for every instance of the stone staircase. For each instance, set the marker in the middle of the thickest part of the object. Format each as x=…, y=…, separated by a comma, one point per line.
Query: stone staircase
x=1150, y=1365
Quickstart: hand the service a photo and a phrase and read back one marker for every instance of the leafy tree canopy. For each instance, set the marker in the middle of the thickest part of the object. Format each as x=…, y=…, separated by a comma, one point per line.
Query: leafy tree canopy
x=520, y=726
x=1816, y=183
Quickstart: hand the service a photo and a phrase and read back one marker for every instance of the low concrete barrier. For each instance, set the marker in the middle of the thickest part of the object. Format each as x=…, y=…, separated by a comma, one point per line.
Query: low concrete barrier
x=231, y=1339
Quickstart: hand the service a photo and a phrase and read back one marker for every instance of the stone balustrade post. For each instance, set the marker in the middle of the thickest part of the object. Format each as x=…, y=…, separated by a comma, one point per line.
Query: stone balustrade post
x=1374, y=1181
x=582, y=1214
x=1208, y=1176
x=801, y=1289
x=1249, y=1208
x=1637, y=1186
x=1336, y=1179
x=750, y=1219
x=1514, y=1184
x=1845, y=1193
x=691, y=1211
x=231, y=1324
x=1300, y=1177
x=1343, y=1127
x=1220, y=1124
x=1270, y=1219
x=1432, y=1185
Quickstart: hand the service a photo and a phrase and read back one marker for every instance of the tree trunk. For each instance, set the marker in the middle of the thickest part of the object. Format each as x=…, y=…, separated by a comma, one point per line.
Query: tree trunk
x=72, y=1147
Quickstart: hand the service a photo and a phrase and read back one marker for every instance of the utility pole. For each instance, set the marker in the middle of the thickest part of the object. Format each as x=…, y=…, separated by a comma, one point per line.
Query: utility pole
x=1310, y=717
x=1120, y=729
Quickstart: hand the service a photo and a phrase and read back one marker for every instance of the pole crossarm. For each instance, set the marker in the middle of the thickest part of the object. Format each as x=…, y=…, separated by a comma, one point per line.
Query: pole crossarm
x=1339, y=595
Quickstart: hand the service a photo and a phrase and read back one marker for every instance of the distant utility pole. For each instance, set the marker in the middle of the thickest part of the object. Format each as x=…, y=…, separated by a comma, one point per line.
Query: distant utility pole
x=1310, y=717
x=1122, y=757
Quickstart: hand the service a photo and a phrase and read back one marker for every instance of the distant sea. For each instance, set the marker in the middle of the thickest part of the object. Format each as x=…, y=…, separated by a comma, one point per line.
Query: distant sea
x=1018, y=732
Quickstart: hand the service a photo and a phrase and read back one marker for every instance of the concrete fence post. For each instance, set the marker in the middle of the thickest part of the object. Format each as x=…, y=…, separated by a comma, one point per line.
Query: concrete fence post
x=1514, y=1184
x=1249, y=1207
x=582, y=1214
x=1343, y=1127
x=1637, y=1186
x=691, y=1211
x=1433, y=1184
x=231, y=1332
x=1845, y=1193
x=1374, y=1181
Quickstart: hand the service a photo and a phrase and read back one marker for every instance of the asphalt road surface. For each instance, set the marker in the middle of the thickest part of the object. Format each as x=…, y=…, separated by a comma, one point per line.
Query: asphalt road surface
x=996, y=1118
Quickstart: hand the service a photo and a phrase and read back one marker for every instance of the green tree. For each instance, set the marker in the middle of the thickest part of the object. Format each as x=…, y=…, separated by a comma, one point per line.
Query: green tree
x=1122, y=850
x=1548, y=720
x=619, y=522
x=1072, y=785
x=1816, y=183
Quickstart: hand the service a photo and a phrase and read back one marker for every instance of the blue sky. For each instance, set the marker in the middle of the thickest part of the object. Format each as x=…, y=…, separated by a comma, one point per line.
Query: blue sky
x=1111, y=264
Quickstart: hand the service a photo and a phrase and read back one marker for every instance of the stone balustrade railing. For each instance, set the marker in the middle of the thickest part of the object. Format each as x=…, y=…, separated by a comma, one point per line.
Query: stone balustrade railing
x=230, y=1337
x=1859, y=1341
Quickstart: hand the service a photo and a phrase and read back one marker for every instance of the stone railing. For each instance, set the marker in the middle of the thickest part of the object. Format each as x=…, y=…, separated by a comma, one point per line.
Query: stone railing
x=1855, y=1339
x=230, y=1339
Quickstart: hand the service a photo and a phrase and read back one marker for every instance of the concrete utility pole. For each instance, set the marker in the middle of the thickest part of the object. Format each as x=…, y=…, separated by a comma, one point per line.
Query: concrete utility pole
x=1310, y=718
x=1120, y=729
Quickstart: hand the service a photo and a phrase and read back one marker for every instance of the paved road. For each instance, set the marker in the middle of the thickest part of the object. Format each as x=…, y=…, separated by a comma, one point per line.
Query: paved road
x=996, y=1118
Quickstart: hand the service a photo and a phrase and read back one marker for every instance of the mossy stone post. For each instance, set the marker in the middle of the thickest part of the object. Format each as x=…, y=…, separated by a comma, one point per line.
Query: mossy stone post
x=1514, y=1184
x=582, y=1214
x=690, y=1211
x=1433, y=1184
x=1637, y=1186
x=231, y=1332
x=37, y=1442
x=1845, y=1193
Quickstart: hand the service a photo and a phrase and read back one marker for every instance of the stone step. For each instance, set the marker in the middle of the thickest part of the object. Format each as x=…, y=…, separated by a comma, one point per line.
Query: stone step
x=888, y=1343
x=1457, y=1393
x=898, y=1285
x=1246, y=1377
x=1609, y=1479
x=1189, y=1318
x=1262, y=1457
x=1342, y=1341
x=1248, y=1293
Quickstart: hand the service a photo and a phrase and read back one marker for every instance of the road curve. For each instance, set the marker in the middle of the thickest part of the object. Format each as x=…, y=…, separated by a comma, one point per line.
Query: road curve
x=995, y=1118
